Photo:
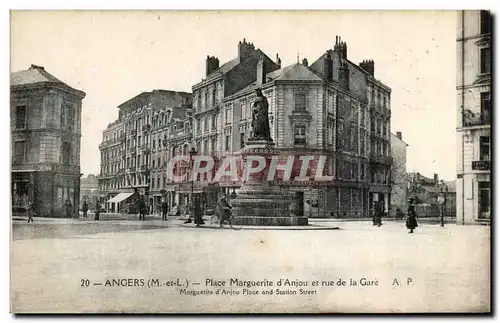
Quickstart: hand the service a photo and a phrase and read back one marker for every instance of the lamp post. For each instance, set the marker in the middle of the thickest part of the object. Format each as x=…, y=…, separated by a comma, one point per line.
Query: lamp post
x=192, y=152
x=441, y=201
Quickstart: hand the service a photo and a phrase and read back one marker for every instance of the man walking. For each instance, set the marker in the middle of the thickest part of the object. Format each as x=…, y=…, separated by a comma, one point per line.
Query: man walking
x=164, y=210
x=142, y=209
x=85, y=209
x=29, y=210
x=97, y=210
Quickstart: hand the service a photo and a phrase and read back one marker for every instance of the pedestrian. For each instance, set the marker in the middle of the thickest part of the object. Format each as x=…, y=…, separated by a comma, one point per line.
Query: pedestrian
x=142, y=209
x=85, y=209
x=29, y=210
x=380, y=213
x=411, y=219
x=97, y=210
x=164, y=210
x=198, y=218
x=374, y=212
x=69, y=208
x=224, y=210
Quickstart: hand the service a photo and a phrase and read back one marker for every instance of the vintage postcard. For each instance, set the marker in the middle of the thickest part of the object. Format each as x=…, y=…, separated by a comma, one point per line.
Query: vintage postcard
x=250, y=161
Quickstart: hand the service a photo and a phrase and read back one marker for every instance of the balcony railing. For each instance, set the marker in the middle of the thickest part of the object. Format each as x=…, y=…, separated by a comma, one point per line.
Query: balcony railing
x=481, y=165
x=470, y=119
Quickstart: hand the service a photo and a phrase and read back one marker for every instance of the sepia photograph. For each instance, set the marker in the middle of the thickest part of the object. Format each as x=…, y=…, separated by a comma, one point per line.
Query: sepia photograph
x=250, y=161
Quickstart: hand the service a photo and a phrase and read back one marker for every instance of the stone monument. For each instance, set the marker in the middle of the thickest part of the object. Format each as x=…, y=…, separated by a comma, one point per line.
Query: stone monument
x=260, y=202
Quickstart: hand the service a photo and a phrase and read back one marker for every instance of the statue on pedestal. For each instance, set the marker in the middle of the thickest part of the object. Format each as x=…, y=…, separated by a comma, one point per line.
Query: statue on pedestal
x=260, y=119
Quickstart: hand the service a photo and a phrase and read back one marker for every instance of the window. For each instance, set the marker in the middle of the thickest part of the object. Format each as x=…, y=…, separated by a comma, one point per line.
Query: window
x=19, y=152
x=485, y=107
x=198, y=126
x=164, y=181
x=227, y=115
x=159, y=161
x=242, y=140
x=21, y=117
x=213, y=97
x=158, y=182
x=485, y=22
x=214, y=145
x=484, y=148
x=300, y=101
x=214, y=122
x=205, y=124
x=300, y=135
x=362, y=171
x=484, y=199
x=485, y=60
x=66, y=153
x=152, y=183
x=206, y=99
x=205, y=146
x=154, y=144
x=228, y=141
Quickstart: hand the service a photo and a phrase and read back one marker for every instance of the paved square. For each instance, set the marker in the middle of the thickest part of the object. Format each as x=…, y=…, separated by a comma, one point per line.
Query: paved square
x=437, y=269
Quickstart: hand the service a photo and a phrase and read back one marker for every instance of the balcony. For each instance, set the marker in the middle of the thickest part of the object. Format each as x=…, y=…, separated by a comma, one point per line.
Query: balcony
x=471, y=119
x=481, y=165
x=381, y=159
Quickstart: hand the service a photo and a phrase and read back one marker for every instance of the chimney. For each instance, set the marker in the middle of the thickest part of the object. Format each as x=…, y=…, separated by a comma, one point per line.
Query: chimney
x=436, y=178
x=344, y=75
x=340, y=48
x=36, y=67
x=212, y=64
x=278, y=60
x=399, y=135
x=328, y=65
x=244, y=49
x=369, y=66
x=304, y=62
x=261, y=71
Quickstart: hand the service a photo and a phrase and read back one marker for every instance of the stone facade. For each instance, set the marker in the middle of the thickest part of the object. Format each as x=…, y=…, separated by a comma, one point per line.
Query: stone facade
x=333, y=108
x=45, y=133
x=399, y=189
x=151, y=127
x=474, y=116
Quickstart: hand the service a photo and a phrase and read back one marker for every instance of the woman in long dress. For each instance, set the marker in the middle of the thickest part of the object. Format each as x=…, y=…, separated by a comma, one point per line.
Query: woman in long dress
x=411, y=219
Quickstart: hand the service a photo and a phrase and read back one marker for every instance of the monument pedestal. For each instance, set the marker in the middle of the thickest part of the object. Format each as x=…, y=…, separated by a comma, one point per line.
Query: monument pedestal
x=259, y=202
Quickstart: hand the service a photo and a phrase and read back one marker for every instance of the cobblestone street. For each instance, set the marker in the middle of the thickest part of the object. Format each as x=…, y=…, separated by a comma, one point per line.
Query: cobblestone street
x=448, y=267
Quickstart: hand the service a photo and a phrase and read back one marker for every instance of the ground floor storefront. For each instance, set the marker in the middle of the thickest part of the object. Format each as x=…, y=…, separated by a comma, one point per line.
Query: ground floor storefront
x=473, y=198
x=52, y=194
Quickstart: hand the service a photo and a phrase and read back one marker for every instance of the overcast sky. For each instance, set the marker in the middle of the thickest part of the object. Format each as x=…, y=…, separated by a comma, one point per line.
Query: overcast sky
x=115, y=55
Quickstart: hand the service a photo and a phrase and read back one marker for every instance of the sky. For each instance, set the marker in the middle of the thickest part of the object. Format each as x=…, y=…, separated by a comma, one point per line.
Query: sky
x=115, y=55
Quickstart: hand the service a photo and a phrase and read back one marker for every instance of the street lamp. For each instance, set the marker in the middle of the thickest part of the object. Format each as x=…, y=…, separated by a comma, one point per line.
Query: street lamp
x=192, y=152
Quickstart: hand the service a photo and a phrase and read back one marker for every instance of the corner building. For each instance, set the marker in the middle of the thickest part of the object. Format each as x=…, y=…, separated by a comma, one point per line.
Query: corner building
x=333, y=108
x=474, y=45
x=45, y=139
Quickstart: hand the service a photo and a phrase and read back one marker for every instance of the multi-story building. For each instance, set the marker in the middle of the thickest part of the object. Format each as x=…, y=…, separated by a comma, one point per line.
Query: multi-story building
x=326, y=109
x=136, y=145
x=474, y=118
x=399, y=188
x=45, y=134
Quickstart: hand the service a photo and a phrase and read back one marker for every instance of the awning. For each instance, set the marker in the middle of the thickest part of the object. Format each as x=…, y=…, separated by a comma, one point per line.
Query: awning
x=120, y=197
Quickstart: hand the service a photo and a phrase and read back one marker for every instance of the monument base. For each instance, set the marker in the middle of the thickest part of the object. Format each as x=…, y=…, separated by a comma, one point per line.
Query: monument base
x=259, y=202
